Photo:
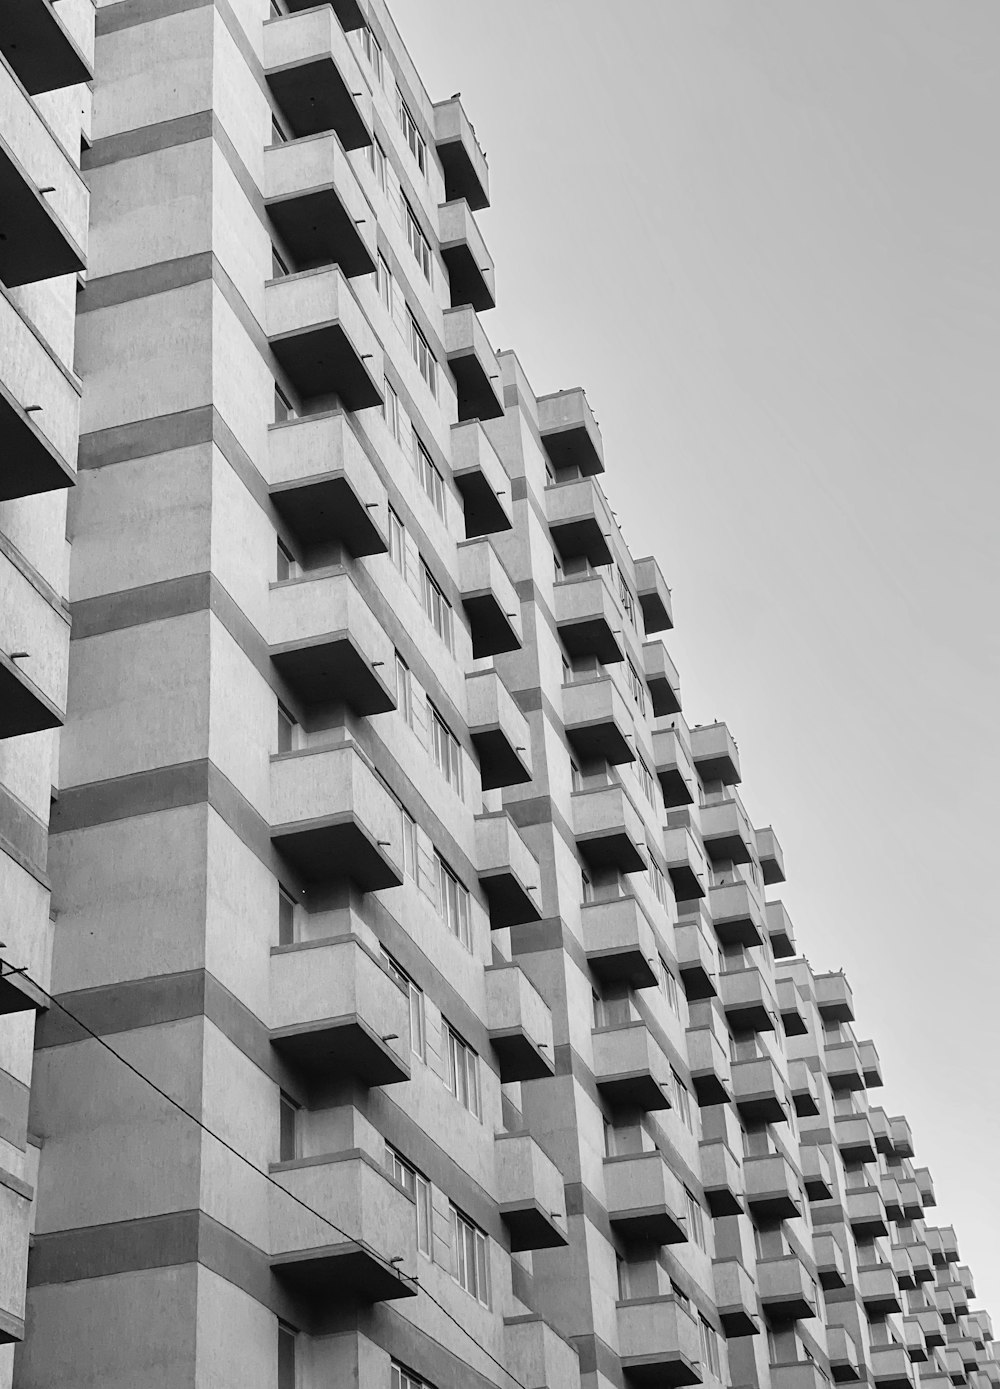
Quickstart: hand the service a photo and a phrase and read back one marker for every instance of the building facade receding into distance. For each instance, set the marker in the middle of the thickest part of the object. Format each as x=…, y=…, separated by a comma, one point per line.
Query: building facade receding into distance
x=396, y=991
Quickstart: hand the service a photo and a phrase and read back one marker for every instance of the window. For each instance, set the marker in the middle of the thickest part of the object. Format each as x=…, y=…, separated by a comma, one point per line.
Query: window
x=286, y=917
x=447, y=751
x=286, y=729
x=462, y=1071
x=656, y=879
x=624, y=1290
x=372, y=51
x=695, y=1219
x=587, y=887
x=575, y=777
x=385, y=283
x=416, y=240
x=286, y=565
x=430, y=477
x=402, y=1379
x=436, y=606
x=409, y=845
x=668, y=983
x=454, y=900
x=418, y=1026
x=278, y=136
x=625, y=595
x=415, y=1184
x=470, y=1257
x=288, y=1128
x=278, y=266
x=411, y=134
x=404, y=690
x=377, y=163
x=636, y=687
x=397, y=542
x=709, y=1347
x=682, y=1099
x=645, y=778
x=283, y=408
x=287, y=1338
x=390, y=411
x=421, y=352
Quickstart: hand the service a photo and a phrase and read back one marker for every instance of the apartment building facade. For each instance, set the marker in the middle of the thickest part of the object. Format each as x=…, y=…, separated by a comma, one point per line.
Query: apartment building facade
x=412, y=1008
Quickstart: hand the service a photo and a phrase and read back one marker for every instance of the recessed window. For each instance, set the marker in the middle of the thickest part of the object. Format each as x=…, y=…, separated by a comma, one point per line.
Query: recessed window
x=397, y=542
x=403, y=1379
x=420, y=350
x=372, y=51
x=695, y=1219
x=286, y=729
x=626, y=597
x=453, y=897
x=385, y=283
x=682, y=1100
x=378, y=163
x=470, y=1257
x=668, y=983
x=416, y=240
x=404, y=690
x=287, y=566
x=286, y=917
x=283, y=407
x=656, y=879
x=436, y=606
x=287, y=1346
x=710, y=1347
x=278, y=136
x=279, y=267
x=644, y=778
x=390, y=410
x=417, y=1186
x=462, y=1071
x=418, y=1028
x=447, y=751
x=412, y=136
x=288, y=1129
x=636, y=686
x=430, y=477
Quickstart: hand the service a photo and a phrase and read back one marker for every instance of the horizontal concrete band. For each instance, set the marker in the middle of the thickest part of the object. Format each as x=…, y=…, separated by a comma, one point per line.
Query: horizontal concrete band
x=17, y=1185
x=23, y=837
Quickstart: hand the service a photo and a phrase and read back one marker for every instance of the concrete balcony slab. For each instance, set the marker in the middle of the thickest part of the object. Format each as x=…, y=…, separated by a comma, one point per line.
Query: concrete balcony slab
x=489, y=598
x=588, y=618
x=715, y=755
x=736, y=913
x=321, y=338
x=530, y=1194
x=316, y=204
x=747, y=1000
x=315, y=78
x=772, y=860
x=325, y=488
x=579, y=520
x=658, y=1343
x=569, y=432
x=619, y=942
x=645, y=1199
x=654, y=596
x=473, y=364
x=608, y=829
x=508, y=872
x=662, y=679
x=482, y=480
x=629, y=1067
x=466, y=174
x=471, y=275
x=499, y=731
x=598, y=722
x=519, y=1023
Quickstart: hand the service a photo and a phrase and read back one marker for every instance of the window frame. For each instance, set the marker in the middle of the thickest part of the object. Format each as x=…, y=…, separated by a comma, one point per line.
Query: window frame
x=462, y=1078
x=470, y=1256
x=454, y=902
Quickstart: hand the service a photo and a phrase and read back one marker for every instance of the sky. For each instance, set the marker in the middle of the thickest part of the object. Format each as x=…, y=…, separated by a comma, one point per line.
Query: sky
x=763, y=236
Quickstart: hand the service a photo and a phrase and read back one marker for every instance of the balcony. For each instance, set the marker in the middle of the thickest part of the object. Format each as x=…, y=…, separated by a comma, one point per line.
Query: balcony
x=790, y=1005
x=891, y=1368
x=921, y=1263
x=335, y=1012
x=471, y=275
x=316, y=205
x=787, y=1293
x=332, y=818
x=673, y=767
x=831, y=1265
x=629, y=1068
x=645, y=1199
x=569, y=432
x=931, y=1325
x=772, y=1187
x=893, y=1198
x=715, y=754
x=315, y=79
x=507, y=871
x=654, y=596
x=619, y=942
x=899, y=1129
x=658, y=1343
x=374, y=1262
x=842, y=1063
x=801, y=1374
x=39, y=412
x=925, y=1182
x=329, y=646
x=499, y=731
x=351, y=13
x=697, y=956
x=588, y=618
x=903, y=1266
x=466, y=174
x=736, y=915
x=41, y=232
x=489, y=598
x=759, y=1091
x=772, y=860
x=871, y=1067
x=24, y=707
x=685, y=862
x=539, y=1357
x=817, y=1173
x=324, y=487
x=805, y=1092
x=854, y=1137
x=40, y=49
x=529, y=1194
x=481, y=479
x=833, y=997
x=845, y=1363
x=866, y=1212
x=722, y=1178
x=598, y=722
x=747, y=999
x=879, y=1289
x=473, y=365
x=735, y=1298
x=880, y=1127
x=708, y=1057
x=662, y=679
x=321, y=338
x=608, y=829
x=579, y=520
x=519, y=1023
x=726, y=832
x=779, y=930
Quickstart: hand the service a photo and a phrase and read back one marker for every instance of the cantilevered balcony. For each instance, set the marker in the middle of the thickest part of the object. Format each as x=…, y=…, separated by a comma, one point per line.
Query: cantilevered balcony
x=658, y=1342
x=645, y=1198
x=726, y=831
x=805, y=1093
x=538, y=1356
x=314, y=77
x=489, y=598
x=737, y=917
x=722, y=1178
x=674, y=767
x=588, y=618
x=570, y=435
x=881, y=1130
x=619, y=942
x=759, y=1091
x=866, y=1212
x=685, y=860
x=871, y=1066
x=879, y=1289
x=831, y=1265
x=466, y=174
x=579, y=520
x=40, y=49
x=598, y=722
x=924, y=1180
x=748, y=1001
x=332, y=818
x=316, y=204
x=473, y=364
x=772, y=1187
x=792, y=1008
x=903, y=1266
x=891, y=1367
x=321, y=338
x=662, y=679
x=336, y=1012
x=608, y=829
x=482, y=480
x=817, y=1172
x=846, y=1362
x=842, y=1063
x=833, y=996
x=779, y=930
x=499, y=731
x=471, y=276
x=697, y=954
x=932, y=1326
x=629, y=1067
x=351, y=13
x=654, y=596
x=715, y=754
x=519, y=1023
x=530, y=1194
x=325, y=488
x=329, y=646
x=735, y=1298
x=913, y=1206
x=24, y=706
x=899, y=1128
x=854, y=1137
x=787, y=1293
x=708, y=1055
x=377, y=1258
x=893, y=1197
x=507, y=870
x=772, y=860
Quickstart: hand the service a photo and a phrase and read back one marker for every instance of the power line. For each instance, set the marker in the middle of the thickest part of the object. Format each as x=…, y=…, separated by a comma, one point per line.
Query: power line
x=7, y=969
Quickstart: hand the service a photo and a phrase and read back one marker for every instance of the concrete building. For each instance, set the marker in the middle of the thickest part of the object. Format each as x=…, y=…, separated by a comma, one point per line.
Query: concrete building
x=420, y=1012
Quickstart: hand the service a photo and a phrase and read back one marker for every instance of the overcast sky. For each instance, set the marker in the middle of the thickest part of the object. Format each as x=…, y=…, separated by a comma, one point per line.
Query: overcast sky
x=764, y=237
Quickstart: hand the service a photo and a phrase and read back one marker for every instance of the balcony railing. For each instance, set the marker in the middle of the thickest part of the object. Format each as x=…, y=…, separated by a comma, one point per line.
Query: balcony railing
x=619, y=942
x=608, y=828
x=519, y=1023
x=579, y=520
x=654, y=596
x=530, y=1194
x=489, y=598
x=772, y=1187
x=473, y=364
x=697, y=953
x=538, y=1356
x=322, y=339
x=588, y=618
x=471, y=276
x=629, y=1067
x=508, y=872
x=658, y=1342
x=787, y=1293
x=674, y=767
x=569, y=432
x=598, y=722
x=662, y=679
x=315, y=78
x=325, y=488
x=482, y=480
x=466, y=174
x=715, y=754
x=645, y=1198
x=736, y=914
x=499, y=731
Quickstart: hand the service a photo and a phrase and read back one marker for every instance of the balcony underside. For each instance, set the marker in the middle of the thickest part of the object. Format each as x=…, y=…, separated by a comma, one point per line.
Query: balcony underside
x=318, y=230
x=39, y=49
x=582, y=536
x=661, y=1371
x=23, y=706
x=654, y=1225
x=349, y=12
x=341, y=1272
x=33, y=243
x=336, y=848
x=331, y=670
x=591, y=636
x=633, y=1090
x=484, y=511
x=324, y=509
x=314, y=98
x=339, y=1047
x=530, y=1227
x=519, y=1058
x=572, y=447
x=322, y=361
x=30, y=464
x=467, y=281
x=499, y=763
x=18, y=994
x=601, y=740
x=510, y=904
x=687, y=883
x=611, y=849
x=675, y=788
